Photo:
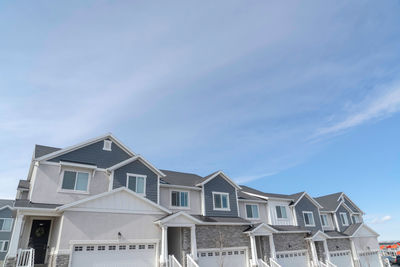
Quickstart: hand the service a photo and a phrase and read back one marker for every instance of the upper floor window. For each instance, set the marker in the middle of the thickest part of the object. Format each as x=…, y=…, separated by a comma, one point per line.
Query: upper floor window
x=179, y=199
x=356, y=219
x=3, y=245
x=324, y=220
x=221, y=201
x=252, y=211
x=136, y=183
x=281, y=212
x=344, y=219
x=5, y=224
x=76, y=181
x=308, y=218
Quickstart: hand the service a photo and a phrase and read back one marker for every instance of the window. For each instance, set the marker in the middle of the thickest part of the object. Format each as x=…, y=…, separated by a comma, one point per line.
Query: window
x=76, y=181
x=221, y=201
x=344, y=219
x=281, y=212
x=3, y=245
x=107, y=145
x=136, y=183
x=356, y=219
x=252, y=211
x=179, y=199
x=308, y=218
x=324, y=220
x=5, y=224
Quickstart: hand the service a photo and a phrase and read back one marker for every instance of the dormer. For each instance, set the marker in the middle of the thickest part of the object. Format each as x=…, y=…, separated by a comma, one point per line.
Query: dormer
x=219, y=195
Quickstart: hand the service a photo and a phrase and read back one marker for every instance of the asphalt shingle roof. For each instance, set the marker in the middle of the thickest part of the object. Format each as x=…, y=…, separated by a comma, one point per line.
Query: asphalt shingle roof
x=329, y=202
x=352, y=229
x=222, y=219
x=335, y=234
x=40, y=150
x=269, y=195
x=181, y=178
x=6, y=202
x=242, y=195
x=24, y=203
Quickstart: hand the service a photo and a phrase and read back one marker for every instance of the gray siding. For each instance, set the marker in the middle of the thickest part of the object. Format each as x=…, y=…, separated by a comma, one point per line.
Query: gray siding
x=5, y=213
x=341, y=226
x=219, y=184
x=348, y=203
x=138, y=167
x=94, y=154
x=306, y=205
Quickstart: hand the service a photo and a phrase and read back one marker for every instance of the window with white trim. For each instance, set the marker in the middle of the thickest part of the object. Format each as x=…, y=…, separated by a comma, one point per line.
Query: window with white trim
x=281, y=212
x=6, y=224
x=75, y=181
x=356, y=219
x=308, y=218
x=344, y=219
x=324, y=220
x=136, y=183
x=179, y=199
x=252, y=211
x=221, y=201
x=4, y=245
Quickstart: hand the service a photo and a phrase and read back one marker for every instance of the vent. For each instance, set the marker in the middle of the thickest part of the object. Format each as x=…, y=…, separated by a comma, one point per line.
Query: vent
x=107, y=145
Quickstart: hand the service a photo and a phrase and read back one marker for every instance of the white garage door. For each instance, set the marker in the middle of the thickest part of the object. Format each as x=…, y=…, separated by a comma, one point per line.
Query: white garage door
x=227, y=257
x=114, y=255
x=369, y=259
x=293, y=258
x=341, y=258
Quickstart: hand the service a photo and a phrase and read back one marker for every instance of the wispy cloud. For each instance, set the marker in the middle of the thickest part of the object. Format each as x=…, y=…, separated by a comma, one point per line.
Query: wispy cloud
x=381, y=104
x=381, y=220
x=246, y=179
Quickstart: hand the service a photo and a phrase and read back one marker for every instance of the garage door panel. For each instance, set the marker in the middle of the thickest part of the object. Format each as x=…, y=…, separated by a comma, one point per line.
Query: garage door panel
x=369, y=259
x=341, y=258
x=293, y=258
x=232, y=257
x=114, y=255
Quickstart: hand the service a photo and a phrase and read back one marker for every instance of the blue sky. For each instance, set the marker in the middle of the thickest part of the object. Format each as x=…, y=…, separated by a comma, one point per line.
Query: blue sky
x=286, y=97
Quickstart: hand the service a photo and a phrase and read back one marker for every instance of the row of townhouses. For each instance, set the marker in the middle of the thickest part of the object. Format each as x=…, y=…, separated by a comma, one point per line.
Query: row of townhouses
x=98, y=203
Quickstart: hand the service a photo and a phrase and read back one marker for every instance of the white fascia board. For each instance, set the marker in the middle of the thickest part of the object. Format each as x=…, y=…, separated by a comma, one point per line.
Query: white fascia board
x=143, y=160
x=272, y=230
x=181, y=187
x=86, y=143
x=310, y=198
x=269, y=198
x=180, y=213
x=223, y=175
x=70, y=205
x=354, y=205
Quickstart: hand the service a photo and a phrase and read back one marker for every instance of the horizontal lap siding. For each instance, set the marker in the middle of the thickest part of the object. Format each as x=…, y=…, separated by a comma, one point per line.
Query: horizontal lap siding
x=137, y=167
x=94, y=154
x=306, y=205
x=5, y=213
x=219, y=184
x=340, y=210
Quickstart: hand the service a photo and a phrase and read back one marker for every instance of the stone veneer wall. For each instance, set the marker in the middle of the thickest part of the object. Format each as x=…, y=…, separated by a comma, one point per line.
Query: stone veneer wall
x=264, y=243
x=62, y=261
x=288, y=242
x=319, y=247
x=338, y=244
x=215, y=236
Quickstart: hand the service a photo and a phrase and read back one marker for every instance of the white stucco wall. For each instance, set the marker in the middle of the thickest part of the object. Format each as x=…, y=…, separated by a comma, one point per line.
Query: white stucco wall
x=49, y=178
x=86, y=226
x=262, y=210
x=194, y=200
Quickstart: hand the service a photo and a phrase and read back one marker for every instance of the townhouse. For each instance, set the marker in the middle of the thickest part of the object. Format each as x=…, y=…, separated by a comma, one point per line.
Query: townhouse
x=6, y=224
x=98, y=203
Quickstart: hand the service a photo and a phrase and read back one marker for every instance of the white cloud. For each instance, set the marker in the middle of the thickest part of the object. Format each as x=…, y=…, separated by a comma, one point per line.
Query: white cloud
x=381, y=104
x=380, y=220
